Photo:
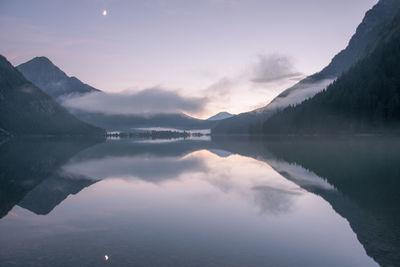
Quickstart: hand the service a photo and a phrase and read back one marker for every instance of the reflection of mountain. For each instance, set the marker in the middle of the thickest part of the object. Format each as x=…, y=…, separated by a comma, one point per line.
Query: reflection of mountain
x=365, y=174
x=52, y=191
x=126, y=159
x=359, y=178
x=39, y=174
x=132, y=147
x=25, y=164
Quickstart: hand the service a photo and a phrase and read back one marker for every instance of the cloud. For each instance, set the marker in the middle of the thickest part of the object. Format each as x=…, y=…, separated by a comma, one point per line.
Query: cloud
x=274, y=68
x=257, y=82
x=298, y=93
x=221, y=88
x=138, y=167
x=148, y=101
x=269, y=70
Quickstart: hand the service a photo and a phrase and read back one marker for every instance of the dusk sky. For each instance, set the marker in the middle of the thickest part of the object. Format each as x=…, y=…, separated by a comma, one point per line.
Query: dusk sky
x=235, y=54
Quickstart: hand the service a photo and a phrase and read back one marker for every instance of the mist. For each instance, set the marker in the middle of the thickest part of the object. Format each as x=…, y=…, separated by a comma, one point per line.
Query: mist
x=297, y=94
x=148, y=101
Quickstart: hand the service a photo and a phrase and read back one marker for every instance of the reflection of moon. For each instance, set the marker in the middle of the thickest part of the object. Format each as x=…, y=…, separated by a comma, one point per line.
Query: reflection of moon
x=104, y=12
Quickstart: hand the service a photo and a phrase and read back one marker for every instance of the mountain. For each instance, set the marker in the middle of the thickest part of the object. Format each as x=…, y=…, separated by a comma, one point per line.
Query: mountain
x=129, y=122
x=365, y=99
x=53, y=81
x=26, y=110
x=220, y=116
x=374, y=22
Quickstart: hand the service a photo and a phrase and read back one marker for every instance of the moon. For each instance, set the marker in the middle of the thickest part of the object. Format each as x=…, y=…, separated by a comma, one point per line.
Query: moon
x=105, y=12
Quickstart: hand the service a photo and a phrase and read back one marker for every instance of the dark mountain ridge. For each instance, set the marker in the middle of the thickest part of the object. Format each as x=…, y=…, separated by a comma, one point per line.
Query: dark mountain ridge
x=52, y=80
x=366, y=99
x=26, y=110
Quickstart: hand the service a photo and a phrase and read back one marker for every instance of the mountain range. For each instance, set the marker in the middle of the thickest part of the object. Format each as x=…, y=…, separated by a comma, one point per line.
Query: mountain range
x=54, y=82
x=374, y=22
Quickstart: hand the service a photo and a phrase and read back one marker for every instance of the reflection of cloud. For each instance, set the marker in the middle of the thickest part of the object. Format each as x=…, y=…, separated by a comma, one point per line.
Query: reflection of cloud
x=154, y=100
x=221, y=88
x=302, y=177
x=274, y=200
x=266, y=195
x=253, y=182
x=240, y=177
x=147, y=168
x=274, y=68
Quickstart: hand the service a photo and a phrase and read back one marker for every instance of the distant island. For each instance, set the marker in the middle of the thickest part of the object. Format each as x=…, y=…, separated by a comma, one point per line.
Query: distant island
x=155, y=134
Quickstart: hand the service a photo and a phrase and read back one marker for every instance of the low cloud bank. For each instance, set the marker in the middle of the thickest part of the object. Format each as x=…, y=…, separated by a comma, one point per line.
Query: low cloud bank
x=298, y=93
x=153, y=100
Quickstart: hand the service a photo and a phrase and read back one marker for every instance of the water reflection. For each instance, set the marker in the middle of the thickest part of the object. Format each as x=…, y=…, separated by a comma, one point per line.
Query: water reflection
x=358, y=176
x=43, y=198
x=128, y=159
x=200, y=203
x=274, y=200
x=26, y=163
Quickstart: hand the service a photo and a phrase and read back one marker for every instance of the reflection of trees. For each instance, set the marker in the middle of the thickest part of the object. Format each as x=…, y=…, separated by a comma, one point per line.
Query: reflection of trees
x=365, y=172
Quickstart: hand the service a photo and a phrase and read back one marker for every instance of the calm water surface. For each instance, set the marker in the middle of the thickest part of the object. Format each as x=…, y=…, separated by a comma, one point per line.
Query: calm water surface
x=199, y=203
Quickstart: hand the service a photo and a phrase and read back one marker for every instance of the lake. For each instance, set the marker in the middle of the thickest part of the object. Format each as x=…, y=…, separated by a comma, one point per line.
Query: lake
x=218, y=202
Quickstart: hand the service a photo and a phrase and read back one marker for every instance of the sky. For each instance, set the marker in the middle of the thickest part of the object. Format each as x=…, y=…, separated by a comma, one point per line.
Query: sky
x=231, y=55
